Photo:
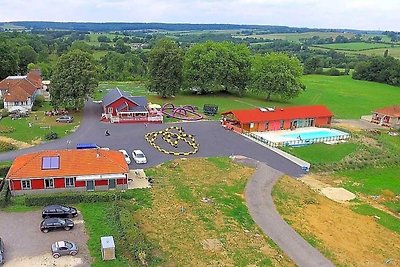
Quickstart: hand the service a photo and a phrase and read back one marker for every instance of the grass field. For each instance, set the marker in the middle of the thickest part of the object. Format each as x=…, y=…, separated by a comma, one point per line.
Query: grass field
x=345, y=97
x=331, y=153
x=191, y=231
x=354, y=46
x=295, y=37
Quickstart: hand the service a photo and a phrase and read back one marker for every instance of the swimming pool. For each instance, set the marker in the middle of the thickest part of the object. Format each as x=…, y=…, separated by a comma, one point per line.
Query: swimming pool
x=300, y=136
x=315, y=134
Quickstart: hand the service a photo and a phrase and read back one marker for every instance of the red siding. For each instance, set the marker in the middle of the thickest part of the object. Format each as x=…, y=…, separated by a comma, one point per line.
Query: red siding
x=122, y=181
x=37, y=184
x=16, y=184
x=101, y=182
x=59, y=182
x=118, y=103
x=80, y=184
x=322, y=121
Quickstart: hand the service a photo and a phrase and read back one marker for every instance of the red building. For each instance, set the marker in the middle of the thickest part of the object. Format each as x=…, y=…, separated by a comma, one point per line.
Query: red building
x=272, y=119
x=119, y=106
x=72, y=170
x=388, y=116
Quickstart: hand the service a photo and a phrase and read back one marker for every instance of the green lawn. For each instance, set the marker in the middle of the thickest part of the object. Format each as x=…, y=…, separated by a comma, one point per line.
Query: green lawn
x=331, y=153
x=386, y=220
x=295, y=37
x=40, y=127
x=357, y=46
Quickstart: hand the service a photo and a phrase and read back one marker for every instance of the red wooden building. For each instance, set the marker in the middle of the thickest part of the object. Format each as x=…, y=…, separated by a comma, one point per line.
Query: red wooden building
x=119, y=106
x=272, y=119
x=72, y=169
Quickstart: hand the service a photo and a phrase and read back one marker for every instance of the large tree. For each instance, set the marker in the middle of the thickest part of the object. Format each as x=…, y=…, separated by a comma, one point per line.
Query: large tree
x=277, y=74
x=8, y=60
x=213, y=66
x=26, y=55
x=74, y=79
x=165, y=67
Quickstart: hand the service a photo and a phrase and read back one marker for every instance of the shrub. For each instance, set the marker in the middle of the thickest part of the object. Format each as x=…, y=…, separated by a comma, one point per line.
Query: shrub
x=5, y=113
x=75, y=197
x=1, y=103
x=5, y=195
x=4, y=146
x=39, y=100
x=51, y=136
x=6, y=129
x=4, y=167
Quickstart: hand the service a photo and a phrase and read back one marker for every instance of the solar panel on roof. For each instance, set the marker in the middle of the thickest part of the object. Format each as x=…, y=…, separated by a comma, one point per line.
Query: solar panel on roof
x=49, y=163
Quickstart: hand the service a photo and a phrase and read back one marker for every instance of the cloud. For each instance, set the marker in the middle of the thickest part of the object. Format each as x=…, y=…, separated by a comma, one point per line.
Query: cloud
x=359, y=14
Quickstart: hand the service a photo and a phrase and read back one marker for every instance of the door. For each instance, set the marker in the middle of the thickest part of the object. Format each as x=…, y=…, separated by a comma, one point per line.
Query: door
x=90, y=185
x=111, y=184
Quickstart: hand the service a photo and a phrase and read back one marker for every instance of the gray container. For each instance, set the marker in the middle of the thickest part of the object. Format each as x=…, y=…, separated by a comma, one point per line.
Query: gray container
x=107, y=248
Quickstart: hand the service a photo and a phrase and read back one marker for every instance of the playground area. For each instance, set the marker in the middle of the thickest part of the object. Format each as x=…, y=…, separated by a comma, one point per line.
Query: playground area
x=301, y=136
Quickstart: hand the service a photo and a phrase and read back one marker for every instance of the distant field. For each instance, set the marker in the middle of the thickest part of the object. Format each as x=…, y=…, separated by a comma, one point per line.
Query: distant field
x=295, y=37
x=358, y=46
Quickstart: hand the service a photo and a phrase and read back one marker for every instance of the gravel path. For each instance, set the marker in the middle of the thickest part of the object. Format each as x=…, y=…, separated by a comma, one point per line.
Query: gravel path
x=262, y=209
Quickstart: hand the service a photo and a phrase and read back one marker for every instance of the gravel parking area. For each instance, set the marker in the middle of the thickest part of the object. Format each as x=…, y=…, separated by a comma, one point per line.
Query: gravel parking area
x=26, y=245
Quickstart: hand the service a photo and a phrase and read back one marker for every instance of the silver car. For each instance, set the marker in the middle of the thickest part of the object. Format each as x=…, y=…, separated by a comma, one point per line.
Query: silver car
x=62, y=248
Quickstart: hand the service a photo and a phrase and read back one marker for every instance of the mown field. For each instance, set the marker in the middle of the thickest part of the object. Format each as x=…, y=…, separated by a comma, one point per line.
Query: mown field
x=296, y=37
x=357, y=46
x=347, y=98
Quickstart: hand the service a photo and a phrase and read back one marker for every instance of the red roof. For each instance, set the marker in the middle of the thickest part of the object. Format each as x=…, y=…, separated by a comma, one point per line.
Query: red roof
x=284, y=113
x=393, y=111
x=17, y=93
x=73, y=162
x=14, y=84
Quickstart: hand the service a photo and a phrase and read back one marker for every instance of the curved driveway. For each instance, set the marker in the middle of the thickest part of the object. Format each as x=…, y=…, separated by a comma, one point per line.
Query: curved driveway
x=213, y=140
x=262, y=210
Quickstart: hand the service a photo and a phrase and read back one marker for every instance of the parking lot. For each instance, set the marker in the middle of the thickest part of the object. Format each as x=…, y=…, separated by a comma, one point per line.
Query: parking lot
x=26, y=245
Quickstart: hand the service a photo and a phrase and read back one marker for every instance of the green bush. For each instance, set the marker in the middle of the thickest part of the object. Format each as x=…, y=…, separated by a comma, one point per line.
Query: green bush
x=5, y=195
x=1, y=103
x=51, y=136
x=4, y=146
x=77, y=197
x=6, y=129
x=4, y=167
x=39, y=100
x=5, y=113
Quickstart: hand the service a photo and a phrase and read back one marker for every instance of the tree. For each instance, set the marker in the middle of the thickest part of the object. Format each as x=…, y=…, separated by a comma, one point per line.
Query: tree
x=103, y=39
x=213, y=66
x=313, y=65
x=277, y=74
x=73, y=80
x=8, y=60
x=165, y=66
x=26, y=55
x=379, y=69
x=121, y=48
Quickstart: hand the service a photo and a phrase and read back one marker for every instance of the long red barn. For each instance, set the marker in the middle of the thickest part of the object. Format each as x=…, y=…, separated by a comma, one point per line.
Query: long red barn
x=272, y=119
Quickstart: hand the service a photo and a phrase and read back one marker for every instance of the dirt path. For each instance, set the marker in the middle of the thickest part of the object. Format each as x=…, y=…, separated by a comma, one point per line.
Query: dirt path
x=262, y=209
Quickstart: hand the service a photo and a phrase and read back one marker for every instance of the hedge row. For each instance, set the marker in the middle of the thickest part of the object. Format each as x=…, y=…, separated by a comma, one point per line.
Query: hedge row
x=5, y=194
x=77, y=197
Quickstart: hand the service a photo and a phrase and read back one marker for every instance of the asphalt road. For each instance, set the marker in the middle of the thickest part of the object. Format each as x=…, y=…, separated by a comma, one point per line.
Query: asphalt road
x=262, y=209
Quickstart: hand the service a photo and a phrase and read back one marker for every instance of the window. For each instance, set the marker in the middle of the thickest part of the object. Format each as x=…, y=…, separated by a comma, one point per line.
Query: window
x=281, y=124
x=110, y=110
x=69, y=182
x=251, y=125
x=48, y=183
x=26, y=184
x=267, y=125
x=49, y=163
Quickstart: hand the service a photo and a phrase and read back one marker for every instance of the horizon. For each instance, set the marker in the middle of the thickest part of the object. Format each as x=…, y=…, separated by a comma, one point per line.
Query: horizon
x=363, y=15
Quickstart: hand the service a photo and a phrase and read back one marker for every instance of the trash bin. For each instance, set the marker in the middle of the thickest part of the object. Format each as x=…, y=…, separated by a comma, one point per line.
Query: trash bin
x=107, y=248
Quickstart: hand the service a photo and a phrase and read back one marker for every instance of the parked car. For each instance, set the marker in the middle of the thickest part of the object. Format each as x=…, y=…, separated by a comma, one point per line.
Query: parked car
x=2, y=260
x=62, y=248
x=59, y=211
x=139, y=156
x=67, y=119
x=56, y=223
x=126, y=155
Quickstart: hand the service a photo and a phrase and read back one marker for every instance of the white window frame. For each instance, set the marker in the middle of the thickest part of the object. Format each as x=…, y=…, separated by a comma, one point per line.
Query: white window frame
x=52, y=182
x=110, y=110
x=71, y=185
x=25, y=187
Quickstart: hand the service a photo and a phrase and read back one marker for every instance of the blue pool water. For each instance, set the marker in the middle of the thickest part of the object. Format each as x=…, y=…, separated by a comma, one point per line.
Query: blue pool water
x=325, y=133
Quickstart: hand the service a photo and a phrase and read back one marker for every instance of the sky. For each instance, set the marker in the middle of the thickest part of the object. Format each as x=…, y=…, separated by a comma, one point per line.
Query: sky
x=349, y=14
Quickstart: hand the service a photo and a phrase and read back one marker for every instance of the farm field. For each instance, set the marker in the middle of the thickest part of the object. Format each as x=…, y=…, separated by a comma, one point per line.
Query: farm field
x=357, y=46
x=295, y=37
x=347, y=98
x=337, y=226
